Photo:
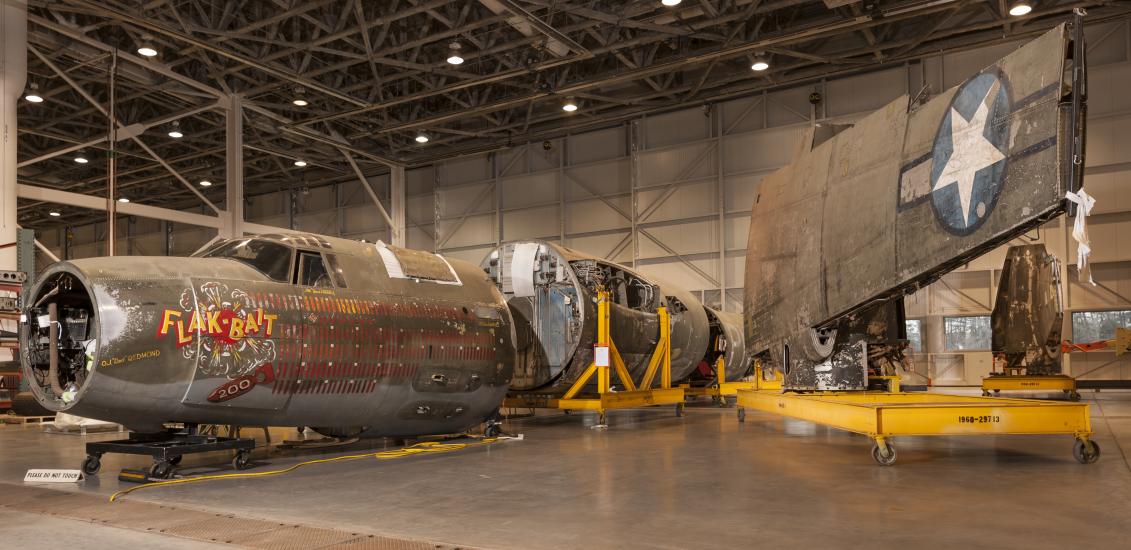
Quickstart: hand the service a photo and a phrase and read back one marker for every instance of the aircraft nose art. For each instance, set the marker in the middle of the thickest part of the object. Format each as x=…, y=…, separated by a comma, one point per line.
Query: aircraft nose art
x=237, y=338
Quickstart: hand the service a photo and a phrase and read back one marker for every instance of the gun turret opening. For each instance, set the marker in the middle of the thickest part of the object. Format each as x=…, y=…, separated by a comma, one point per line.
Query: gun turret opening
x=59, y=338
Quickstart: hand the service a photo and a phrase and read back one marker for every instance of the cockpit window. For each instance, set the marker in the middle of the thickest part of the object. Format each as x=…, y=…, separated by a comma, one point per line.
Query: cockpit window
x=273, y=259
x=312, y=270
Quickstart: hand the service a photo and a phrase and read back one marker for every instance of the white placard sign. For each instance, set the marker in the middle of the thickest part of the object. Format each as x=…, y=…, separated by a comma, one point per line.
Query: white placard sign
x=601, y=356
x=52, y=476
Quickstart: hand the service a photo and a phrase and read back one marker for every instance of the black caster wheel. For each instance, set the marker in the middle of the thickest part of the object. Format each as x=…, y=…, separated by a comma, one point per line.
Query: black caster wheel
x=492, y=430
x=1073, y=396
x=176, y=460
x=741, y=414
x=985, y=393
x=997, y=393
x=242, y=461
x=91, y=465
x=1086, y=451
x=679, y=410
x=161, y=470
x=882, y=458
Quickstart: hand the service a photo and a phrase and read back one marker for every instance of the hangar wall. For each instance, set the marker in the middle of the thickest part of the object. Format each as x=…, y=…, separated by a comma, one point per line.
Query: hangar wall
x=671, y=194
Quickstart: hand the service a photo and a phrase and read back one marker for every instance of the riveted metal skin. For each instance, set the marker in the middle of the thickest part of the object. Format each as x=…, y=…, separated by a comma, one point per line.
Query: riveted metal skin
x=868, y=214
x=364, y=349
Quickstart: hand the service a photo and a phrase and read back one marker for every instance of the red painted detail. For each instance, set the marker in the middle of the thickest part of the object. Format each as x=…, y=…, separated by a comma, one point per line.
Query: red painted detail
x=238, y=386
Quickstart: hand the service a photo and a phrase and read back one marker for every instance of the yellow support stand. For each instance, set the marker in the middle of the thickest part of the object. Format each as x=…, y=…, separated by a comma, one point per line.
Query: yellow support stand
x=722, y=388
x=606, y=358
x=881, y=415
x=1044, y=383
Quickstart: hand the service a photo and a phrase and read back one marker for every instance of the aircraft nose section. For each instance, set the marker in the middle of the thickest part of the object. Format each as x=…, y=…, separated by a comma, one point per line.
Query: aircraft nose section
x=58, y=337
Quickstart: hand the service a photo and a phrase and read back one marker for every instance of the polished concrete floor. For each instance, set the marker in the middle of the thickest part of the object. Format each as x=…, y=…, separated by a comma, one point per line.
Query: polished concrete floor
x=650, y=481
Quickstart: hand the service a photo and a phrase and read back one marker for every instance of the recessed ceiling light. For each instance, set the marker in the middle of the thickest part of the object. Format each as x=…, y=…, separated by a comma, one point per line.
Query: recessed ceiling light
x=1019, y=9
x=54, y=214
x=300, y=163
x=205, y=183
x=300, y=102
x=421, y=138
x=670, y=3
x=123, y=199
x=569, y=106
x=81, y=159
x=454, y=57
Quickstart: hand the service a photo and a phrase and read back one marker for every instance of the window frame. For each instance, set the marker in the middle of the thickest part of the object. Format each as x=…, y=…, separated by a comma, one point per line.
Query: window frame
x=946, y=340
x=289, y=276
x=297, y=265
x=1072, y=321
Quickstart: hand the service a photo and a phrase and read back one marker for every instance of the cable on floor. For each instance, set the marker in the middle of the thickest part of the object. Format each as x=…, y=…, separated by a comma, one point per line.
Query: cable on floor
x=419, y=448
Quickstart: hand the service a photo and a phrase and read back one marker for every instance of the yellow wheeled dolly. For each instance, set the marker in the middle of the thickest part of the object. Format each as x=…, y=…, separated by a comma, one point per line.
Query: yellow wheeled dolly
x=1047, y=383
x=606, y=358
x=883, y=415
x=721, y=388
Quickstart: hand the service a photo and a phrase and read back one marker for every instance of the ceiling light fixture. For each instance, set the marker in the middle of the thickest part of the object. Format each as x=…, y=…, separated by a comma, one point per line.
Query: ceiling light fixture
x=33, y=94
x=670, y=3
x=421, y=138
x=300, y=163
x=146, y=48
x=570, y=105
x=300, y=97
x=81, y=159
x=1019, y=9
x=454, y=57
x=205, y=183
x=123, y=199
x=54, y=214
x=175, y=133
x=759, y=64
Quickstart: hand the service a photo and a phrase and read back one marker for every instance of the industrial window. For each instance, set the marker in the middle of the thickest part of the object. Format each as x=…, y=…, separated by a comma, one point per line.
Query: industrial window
x=1093, y=326
x=967, y=333
x=915, y=334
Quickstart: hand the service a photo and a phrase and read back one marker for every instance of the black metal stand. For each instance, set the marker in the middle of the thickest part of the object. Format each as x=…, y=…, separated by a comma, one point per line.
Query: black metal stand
x=167, y=449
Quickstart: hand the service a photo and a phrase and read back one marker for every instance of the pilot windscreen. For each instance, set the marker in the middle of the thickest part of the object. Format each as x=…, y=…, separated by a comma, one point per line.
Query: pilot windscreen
x=312, y=270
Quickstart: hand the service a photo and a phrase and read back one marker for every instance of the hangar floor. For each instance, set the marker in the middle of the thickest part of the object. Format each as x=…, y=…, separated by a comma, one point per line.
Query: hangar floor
x=651, y=481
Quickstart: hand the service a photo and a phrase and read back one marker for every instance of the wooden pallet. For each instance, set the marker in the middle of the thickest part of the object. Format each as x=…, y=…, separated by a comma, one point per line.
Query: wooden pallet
x=14, y=419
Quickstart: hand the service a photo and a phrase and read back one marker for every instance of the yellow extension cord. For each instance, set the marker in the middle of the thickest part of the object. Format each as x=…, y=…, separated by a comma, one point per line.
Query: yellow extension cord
x=419, y=448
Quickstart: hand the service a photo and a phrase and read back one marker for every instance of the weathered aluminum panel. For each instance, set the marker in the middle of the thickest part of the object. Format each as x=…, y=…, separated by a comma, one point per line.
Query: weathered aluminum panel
x=880, y=209
x=214, y=341
x=1028, y=313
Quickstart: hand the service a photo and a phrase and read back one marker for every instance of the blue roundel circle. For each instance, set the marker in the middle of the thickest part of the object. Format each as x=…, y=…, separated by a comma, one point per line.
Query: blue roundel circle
x=971, y=154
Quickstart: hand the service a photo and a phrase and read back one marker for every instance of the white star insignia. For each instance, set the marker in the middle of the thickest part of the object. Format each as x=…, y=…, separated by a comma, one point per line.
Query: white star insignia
x=970, y=152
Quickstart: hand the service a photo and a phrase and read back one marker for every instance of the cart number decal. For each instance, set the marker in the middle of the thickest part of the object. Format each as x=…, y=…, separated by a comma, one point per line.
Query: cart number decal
x=986, y=419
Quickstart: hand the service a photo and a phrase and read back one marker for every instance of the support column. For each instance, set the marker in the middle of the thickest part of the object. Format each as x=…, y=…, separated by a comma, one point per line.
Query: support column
x=13, y=77
x=233, y=170
x=397, y=204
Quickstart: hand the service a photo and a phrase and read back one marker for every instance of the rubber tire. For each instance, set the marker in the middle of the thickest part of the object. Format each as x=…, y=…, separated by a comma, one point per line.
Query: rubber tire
x=1086, y=456
x=679, y=410
x=91, y=465
x=492, y=430
x=741, y=414
x=1074, y=396
x=161, y=470
x=882, y=460
x=242, y=460
x=176, y=460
